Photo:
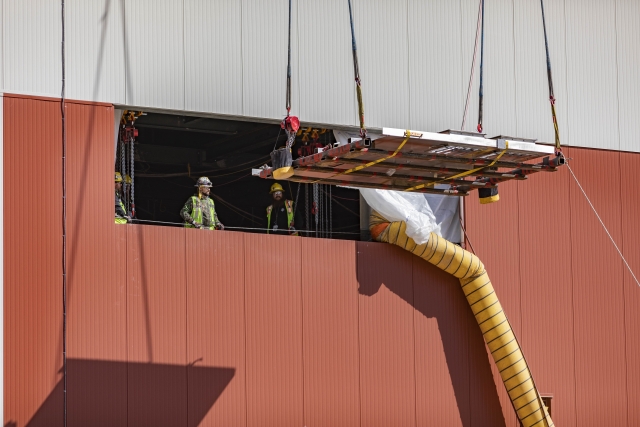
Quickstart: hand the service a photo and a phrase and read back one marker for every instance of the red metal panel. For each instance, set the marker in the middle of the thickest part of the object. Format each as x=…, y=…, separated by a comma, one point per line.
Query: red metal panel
x=96, y=292
x=330, y=309
x=32, y=260
x=273, y=306
x=442, y=348
x=493, y=230
x=629, y=167
x=547, y=298
x=156, y=325
x=215, y=328
x=547, y=289
x=387, y=358
x=598, y=291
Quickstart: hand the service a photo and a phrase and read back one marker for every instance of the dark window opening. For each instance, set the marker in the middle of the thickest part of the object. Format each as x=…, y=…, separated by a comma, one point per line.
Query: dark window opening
x=171, y=152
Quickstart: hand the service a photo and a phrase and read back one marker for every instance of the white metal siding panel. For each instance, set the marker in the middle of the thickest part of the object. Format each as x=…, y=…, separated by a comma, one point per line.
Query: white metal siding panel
x=628, y=32
x=326, y=80
x=32, y=56
x=533, y=108
x=499, y=108
x=95, y=50
x=435, y=65
x=381, y=35
x=155, y=59
x=264, y=58
x=591, y=74
x=213, y=56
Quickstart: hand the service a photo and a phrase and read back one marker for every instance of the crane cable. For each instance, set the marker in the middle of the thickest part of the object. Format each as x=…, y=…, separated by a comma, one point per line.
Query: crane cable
x=289, y=66
x=356, y=70
x=552, y=99
x=481, y=94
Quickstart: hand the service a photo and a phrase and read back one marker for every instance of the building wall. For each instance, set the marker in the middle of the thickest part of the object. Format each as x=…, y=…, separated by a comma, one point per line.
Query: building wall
x=171, y=326
x=228, y=57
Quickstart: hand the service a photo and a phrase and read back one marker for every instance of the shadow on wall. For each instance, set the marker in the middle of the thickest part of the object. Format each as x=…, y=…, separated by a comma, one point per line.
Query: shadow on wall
x=98, y=394
x=475, y=392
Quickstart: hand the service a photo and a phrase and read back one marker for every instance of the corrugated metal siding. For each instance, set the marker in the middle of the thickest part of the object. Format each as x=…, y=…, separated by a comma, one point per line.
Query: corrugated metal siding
x=442, y=348
x=330, y=321
x=533, y=110
x=435, y=56
x=32, y=272
x=493, y=230
x=273, y=307
x=216, y=328
x=325, y=76
x=31, y=51
x=264, y=58
x=591, y=45
x=628, y=41
x=544, y=227
x=156, y=326
x=387, y=356
x=213, y=56
x=630, y=203
x=96, y=292
x=154, y=53
x=415, y=61
x=95, y=51
x=598, y=292
x=383, y=55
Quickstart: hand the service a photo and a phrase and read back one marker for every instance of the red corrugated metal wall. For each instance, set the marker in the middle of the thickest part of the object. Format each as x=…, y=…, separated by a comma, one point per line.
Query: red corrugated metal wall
x=575, y=302
x=169, y=326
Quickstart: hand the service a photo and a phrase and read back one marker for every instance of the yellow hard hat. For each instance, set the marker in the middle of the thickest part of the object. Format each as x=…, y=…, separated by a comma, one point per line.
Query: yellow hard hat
x=118, y=177
x=276, y=187
x=127, y=179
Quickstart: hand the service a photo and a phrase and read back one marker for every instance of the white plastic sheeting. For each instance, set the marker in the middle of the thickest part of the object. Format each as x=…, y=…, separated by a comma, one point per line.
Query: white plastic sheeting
x=423, y=213
x=411, y=208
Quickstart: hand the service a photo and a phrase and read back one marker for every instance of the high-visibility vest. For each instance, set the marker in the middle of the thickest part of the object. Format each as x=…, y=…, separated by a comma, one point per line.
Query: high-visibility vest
x=120, y=220
x=289, y=205
x=196, y=213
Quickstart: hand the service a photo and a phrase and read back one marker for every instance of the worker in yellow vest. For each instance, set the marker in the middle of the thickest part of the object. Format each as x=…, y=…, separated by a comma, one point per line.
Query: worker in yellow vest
x=200, y=211
x=121, y=211
x=280, y=214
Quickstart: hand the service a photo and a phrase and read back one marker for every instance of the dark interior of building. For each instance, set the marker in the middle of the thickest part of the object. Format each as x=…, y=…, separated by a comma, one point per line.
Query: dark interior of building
x=172, y=151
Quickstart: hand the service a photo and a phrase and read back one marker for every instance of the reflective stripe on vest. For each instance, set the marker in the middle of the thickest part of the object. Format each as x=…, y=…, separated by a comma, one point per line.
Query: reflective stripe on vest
x=196, y=213
x=289, y=205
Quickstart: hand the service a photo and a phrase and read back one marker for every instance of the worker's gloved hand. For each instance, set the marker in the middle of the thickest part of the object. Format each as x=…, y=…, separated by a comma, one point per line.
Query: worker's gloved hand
x=292, y=230
x=197, y=225
x=219, y=226
x=128, y=218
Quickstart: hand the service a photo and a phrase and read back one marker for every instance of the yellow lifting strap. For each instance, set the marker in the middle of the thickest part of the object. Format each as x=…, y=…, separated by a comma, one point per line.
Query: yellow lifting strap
x=460, y=175
x=407, y=134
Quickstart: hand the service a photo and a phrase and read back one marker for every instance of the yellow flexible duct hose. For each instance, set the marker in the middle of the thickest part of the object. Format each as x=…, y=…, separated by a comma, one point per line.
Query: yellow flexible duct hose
x=486, y=308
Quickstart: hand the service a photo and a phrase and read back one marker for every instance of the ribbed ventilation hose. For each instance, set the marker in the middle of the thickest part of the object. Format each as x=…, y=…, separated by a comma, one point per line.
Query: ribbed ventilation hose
x=486, y=308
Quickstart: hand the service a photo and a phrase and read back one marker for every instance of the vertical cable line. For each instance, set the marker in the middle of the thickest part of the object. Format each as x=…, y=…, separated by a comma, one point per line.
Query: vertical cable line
x=481, y=91
x=64, y=226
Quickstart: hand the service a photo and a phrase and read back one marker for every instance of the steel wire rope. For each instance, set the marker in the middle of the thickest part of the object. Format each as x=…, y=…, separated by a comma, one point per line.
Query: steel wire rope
x=602, y=223
x=169, y=175
x=356, y=71
x=481, y=89
x=180, y=224
x=473, y=67
x=64, y=216
x=235, y=207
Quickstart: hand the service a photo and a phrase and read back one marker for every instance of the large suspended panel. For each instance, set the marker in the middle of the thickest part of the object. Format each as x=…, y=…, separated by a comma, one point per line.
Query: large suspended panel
x=450, y=162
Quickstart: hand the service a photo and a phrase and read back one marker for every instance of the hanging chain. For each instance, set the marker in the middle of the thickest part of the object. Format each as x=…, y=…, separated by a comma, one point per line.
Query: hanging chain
x=131, y=163
x=330, y=211
x=315, y=204
x=306, y=207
